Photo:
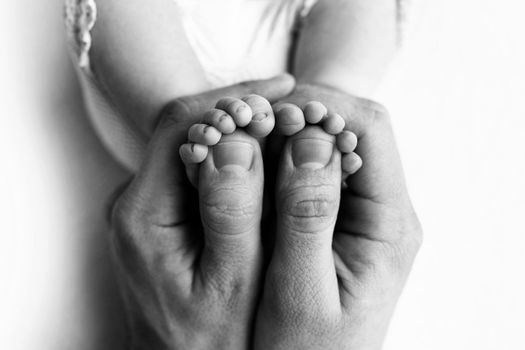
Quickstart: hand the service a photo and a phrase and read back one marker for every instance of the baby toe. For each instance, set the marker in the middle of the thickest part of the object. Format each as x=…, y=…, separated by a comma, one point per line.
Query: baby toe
x=220, y=120
x=289, y=119
x=192, y=153
x=237, y=108
x=351, y=163
x=346, y=141
x=314, y=112
x=204, y=134
x=334, y=124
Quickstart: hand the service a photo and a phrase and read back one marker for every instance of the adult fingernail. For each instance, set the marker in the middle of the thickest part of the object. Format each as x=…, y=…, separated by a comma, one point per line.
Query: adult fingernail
x=311, y=153
x=233, y=154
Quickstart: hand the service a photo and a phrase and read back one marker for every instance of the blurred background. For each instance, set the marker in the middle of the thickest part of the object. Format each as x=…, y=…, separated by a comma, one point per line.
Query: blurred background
x=456, y=94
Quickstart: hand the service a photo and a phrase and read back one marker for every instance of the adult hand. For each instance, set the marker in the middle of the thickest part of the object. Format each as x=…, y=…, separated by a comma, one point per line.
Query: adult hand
x=190, y=283
x=335, y=277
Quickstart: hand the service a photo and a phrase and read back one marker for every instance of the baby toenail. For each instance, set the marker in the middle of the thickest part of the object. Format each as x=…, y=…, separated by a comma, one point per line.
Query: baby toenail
x=259, y=117
x=223, y=117
x=311, y=153
x=238, y=154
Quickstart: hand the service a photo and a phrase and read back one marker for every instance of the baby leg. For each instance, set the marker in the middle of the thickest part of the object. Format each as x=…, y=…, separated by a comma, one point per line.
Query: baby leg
x=142, y=58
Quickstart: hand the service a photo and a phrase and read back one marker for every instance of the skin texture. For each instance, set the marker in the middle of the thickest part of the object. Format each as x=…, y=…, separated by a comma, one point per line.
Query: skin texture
x=340, y=258
x=334, y=276
x=363, y=261
x=228, y=115
x=347, y=44
x=340, y=39
x=253, y=112
x=184, y=288
x=190, y=281
x=142, y=57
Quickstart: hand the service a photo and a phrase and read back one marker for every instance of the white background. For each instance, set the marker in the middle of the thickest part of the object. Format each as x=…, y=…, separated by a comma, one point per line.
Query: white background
x=456, y=93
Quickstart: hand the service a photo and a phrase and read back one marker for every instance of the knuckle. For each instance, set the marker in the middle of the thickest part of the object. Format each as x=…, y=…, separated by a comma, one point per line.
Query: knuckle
x=256, y=101
x=377, y=113
x=179, y=105
x=246, y=85
x=126, y=224
x=410, y=235
x=176, y=110
x=396, y=258
x=376, y=106
x=381, y=116
x=309, y=209
x=369, y=112
x=230, y=211
x=121, y=213
x=415, y=238
x=125, y=246
x=121, y=222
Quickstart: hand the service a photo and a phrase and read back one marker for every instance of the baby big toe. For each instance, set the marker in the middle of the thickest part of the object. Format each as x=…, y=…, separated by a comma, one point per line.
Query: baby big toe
x=346, y=141
x=351, y=163
x=334, y=124
x=192, y=153
x=289, y=119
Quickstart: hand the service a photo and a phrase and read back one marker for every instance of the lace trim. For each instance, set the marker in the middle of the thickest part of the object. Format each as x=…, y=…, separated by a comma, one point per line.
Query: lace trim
x=80, y=18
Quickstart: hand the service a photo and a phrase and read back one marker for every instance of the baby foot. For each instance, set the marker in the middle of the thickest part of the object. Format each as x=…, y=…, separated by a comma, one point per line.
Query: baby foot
x=291, y=119
x=253, y=113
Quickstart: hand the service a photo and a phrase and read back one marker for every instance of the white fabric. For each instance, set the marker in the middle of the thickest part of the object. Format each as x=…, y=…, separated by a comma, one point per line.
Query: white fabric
x=239, y=40
x=234, y=40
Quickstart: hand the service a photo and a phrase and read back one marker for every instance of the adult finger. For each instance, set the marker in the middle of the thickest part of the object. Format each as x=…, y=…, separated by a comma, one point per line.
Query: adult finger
x=158, y=192
x=308, y=190
x=272, y=89
x=230, y=199
x=161, y=180
x=381, y=179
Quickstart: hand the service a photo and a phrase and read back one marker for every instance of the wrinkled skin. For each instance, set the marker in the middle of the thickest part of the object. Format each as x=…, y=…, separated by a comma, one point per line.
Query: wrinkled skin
x=186, y=286
x=188, y=289
x=337, y=288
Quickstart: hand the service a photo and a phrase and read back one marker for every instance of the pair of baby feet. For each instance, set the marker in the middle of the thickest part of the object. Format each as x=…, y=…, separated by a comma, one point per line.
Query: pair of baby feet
x=223, y=150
